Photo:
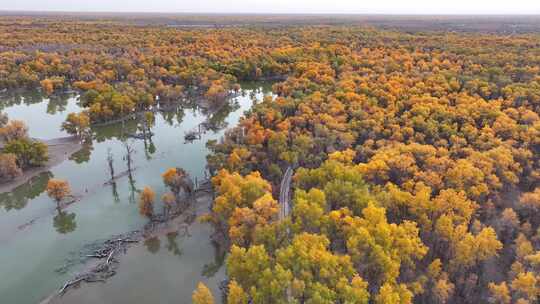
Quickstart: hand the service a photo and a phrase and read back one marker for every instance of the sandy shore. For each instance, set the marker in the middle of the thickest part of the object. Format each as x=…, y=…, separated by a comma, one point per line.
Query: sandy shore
x=60, y=149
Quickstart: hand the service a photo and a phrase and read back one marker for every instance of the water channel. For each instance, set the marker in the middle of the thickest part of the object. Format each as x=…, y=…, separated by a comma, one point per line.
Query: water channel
x=35, y=240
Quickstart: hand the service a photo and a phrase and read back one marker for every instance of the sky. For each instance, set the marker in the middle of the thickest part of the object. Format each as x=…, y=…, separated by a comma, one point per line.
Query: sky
x=282, y=6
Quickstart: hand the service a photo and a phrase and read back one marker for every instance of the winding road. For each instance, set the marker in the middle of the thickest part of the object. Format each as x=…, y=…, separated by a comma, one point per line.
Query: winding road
x=284, y=194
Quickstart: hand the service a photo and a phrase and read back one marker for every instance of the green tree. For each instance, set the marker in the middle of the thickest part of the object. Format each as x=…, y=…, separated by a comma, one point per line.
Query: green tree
x=29, y=153
x=77, y=124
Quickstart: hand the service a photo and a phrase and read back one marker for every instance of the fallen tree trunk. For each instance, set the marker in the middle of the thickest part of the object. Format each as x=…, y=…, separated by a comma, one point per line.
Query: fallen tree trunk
x=108, y=251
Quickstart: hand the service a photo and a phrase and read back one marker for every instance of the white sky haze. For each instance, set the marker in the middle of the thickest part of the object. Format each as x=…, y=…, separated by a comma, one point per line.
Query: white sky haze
x=283, y=6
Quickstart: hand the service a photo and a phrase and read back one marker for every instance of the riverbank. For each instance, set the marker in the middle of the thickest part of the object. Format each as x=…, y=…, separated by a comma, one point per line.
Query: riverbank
x=59, y=149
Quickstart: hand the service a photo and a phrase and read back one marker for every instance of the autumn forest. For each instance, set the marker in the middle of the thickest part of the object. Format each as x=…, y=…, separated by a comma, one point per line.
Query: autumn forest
x=414, y=154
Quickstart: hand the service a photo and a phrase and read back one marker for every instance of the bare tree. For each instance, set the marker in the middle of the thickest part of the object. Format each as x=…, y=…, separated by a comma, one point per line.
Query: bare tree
x=129, y=154
x=115, y=192
x=110, y=159
x=132, y=188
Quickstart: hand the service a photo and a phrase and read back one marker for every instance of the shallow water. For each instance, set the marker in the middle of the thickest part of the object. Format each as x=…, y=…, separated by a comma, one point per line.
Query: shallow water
x=35, y=240
x=164, y=269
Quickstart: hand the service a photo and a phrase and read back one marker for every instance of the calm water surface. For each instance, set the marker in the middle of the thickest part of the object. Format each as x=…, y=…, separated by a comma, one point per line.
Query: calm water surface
x=35, y=240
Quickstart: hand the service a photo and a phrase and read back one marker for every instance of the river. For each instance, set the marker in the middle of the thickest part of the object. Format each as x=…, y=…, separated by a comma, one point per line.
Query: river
x=35, y=241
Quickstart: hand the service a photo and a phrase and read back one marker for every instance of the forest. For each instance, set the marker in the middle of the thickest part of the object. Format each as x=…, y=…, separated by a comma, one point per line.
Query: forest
x=416, y=154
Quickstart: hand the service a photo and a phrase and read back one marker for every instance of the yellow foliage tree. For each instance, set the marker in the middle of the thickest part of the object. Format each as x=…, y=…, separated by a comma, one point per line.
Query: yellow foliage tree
x=202, y=295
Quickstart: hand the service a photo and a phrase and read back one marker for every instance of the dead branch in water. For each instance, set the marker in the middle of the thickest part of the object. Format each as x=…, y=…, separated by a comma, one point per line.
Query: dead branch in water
x=110, y=256
x=119, y=175
x=69, y=284
x=108, y=251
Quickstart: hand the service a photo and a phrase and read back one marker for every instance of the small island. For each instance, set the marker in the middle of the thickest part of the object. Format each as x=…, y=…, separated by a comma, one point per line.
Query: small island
x=22, y=157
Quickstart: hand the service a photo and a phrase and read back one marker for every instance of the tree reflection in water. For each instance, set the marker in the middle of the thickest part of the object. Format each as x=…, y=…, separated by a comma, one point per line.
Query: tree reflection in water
x=115, y=192
x=172, y=244
x=15, y=97
x=152, y=244
x=64, y=222
x=18, y=198
x=83, y=155
x=58, y=103
x=210, y=269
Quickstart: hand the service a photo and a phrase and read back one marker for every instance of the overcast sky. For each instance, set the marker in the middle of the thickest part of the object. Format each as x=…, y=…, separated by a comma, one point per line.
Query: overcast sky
x=284, y=6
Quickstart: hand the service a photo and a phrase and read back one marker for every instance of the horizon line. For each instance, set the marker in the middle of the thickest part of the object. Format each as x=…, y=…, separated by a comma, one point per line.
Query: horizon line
x=472, y=14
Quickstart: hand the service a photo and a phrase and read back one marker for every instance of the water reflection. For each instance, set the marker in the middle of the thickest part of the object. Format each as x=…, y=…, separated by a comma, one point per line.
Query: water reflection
x=83, y=155
x=138, y=127
x=58, y=103
x=172, y=244
x=115, y=195
x=152, y=244
x=174, y=117
x=210, y=269
x=18, y=97
x=133, y=191
x=118, y=130
x=149, y=148
x=129, y=133
x=19, y=197
x=217, y=120
x=55, y=103
x=97, y=214
x=64, y=222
